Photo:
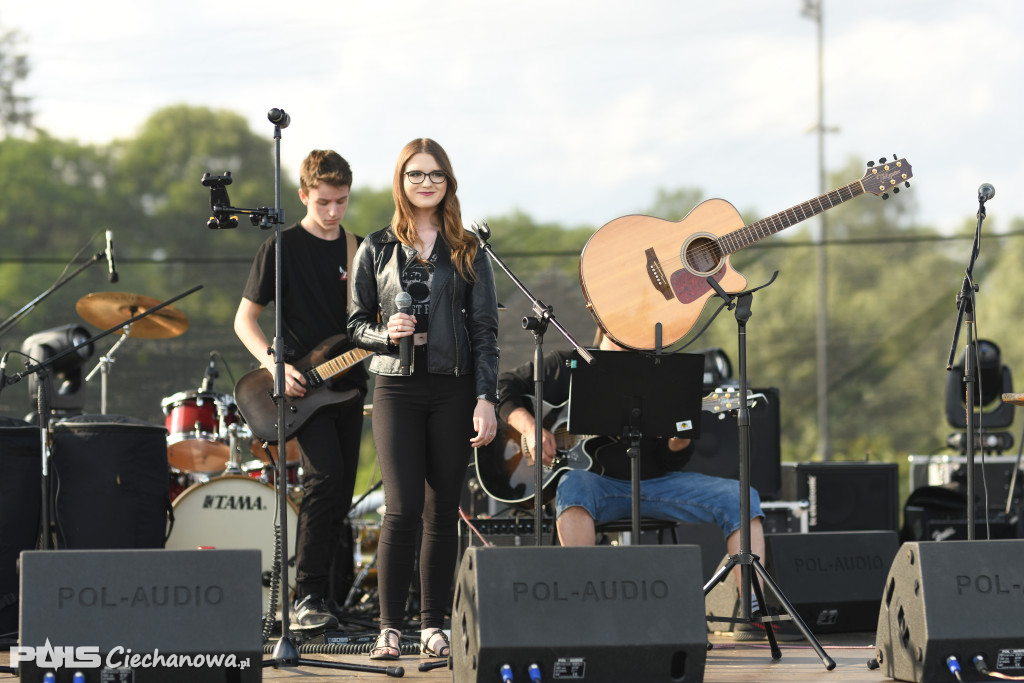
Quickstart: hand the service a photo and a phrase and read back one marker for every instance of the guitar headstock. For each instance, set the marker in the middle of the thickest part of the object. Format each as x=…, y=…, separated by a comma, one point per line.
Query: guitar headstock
x=724, y=400
x=887, y=176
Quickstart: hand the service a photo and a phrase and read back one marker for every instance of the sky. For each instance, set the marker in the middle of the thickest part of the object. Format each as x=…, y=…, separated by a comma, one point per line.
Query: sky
x=574, y=112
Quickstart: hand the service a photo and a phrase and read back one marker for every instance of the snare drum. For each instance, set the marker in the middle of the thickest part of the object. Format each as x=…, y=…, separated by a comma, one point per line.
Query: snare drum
x=232, y=512
x=197, y=425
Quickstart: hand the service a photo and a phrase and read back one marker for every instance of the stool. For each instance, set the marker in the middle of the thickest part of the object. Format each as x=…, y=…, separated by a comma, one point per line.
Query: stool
x=619, y=526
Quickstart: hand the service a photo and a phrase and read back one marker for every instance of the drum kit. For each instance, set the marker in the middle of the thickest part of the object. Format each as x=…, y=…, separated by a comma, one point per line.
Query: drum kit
x=221, y=478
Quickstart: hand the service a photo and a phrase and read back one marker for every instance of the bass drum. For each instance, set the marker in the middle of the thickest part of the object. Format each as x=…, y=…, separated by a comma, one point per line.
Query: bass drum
x=233, y=512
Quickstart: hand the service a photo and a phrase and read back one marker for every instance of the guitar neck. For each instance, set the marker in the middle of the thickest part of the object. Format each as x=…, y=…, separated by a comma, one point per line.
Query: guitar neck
x=341, y=363
x=748, y=234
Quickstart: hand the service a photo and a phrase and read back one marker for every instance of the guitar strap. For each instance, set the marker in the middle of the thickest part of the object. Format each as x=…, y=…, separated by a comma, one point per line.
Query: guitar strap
x=350, y=250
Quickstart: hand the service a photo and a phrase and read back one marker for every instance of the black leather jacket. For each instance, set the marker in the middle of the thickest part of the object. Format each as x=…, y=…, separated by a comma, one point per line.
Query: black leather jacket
x=462, y=331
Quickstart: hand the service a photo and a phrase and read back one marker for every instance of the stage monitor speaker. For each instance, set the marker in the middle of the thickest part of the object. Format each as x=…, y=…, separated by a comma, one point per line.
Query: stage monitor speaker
x=716, y=452
x=952, y=598
x=845, y=496
x=601, y=613
x=136, y=615
x=833, y=580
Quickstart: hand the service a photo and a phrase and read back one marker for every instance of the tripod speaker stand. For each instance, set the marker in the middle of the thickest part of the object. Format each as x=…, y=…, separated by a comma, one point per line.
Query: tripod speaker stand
x=745, y=559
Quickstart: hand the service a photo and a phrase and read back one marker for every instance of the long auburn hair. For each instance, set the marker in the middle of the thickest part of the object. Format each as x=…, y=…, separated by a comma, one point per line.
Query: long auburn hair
x=462, y=243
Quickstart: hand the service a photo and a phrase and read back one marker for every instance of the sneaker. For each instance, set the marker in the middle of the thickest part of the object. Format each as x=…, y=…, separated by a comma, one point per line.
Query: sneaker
x=312, y=614
x=785, y=631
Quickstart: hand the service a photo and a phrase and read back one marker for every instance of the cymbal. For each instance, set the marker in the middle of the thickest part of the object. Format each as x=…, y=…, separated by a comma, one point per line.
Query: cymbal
x=1015, y=399
x=107, y=309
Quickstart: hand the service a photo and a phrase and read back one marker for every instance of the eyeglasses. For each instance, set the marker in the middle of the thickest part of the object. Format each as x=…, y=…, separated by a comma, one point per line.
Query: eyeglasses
x=416, y=177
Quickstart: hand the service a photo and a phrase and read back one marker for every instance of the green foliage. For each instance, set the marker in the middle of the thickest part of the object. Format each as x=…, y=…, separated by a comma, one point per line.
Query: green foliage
x=15, y=112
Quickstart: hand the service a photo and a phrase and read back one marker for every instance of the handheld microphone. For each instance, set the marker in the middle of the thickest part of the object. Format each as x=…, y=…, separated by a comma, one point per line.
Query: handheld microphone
x=111, y=262
x=403, y=300
x=279, y=117
x=211, y=374
x=986, y=192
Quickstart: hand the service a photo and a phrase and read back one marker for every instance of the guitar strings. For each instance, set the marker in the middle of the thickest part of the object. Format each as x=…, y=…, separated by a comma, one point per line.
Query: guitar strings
x=716, y=249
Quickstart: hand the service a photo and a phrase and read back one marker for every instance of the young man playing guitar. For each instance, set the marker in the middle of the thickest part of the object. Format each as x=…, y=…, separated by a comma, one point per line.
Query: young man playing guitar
x=585, y=498
x=316, y=256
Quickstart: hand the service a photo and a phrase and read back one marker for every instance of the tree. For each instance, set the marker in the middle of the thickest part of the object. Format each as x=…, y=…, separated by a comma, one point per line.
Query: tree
x=15, y=112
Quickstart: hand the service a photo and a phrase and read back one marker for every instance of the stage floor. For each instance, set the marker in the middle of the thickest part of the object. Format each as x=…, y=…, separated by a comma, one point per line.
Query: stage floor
x=727, y=662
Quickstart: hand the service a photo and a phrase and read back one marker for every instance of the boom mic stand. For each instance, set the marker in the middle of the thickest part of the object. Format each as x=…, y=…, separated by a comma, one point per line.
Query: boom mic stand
x=965, y=314
x=285, y=653
x=746, y=560
x=43, y=407
x=538, y=325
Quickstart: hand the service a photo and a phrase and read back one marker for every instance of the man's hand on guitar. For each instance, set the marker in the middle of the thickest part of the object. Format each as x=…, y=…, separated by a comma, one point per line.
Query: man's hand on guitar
x=549, y=448
x=294, y=382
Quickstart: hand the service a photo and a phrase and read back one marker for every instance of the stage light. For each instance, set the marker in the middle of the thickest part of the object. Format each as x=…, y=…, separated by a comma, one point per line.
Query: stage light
x=717, y=367
x=64, y=384
x=992, y=380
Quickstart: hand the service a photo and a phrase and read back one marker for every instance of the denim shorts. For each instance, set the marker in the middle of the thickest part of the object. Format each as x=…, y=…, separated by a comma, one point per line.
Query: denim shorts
x=677, y=496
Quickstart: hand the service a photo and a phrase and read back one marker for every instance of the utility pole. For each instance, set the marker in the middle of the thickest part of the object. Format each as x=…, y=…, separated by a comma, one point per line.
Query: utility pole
x=812, y=9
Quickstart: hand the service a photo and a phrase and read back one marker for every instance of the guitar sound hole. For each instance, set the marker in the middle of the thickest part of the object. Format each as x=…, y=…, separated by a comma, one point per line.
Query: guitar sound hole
x=702, y=255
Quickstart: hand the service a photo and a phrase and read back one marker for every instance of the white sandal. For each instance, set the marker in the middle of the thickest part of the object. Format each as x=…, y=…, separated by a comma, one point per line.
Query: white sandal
x=428, y=639
x=390, y=639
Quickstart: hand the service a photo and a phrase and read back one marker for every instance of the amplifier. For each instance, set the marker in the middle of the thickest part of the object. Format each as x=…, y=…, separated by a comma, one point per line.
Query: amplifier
x=845, y=496
x=503, y=532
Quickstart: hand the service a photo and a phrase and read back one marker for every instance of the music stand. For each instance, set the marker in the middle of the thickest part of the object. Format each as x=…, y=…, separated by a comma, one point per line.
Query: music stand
x=636, y=395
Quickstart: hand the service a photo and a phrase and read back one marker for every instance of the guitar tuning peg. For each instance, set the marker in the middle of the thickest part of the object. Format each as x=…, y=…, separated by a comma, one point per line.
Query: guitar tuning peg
x=870, y=164
x=882, y=160
x=885, y=196
x=907, y=183
x=895, y=190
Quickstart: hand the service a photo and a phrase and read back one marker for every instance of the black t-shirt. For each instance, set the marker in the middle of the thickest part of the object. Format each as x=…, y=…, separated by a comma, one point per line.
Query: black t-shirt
x=314, y=289
x=515, y=390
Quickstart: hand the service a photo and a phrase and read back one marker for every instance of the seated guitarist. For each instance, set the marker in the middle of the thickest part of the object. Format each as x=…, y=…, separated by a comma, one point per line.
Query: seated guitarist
x=585, y=498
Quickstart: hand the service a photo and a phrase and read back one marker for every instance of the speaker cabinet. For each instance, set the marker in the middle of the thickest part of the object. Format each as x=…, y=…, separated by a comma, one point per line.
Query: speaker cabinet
x=598, y=613
x=952, y=598
x=845, y=496
x=110, y=472
x=716, y=452
x=20, y=505
x=833, y=580
x=101, y=607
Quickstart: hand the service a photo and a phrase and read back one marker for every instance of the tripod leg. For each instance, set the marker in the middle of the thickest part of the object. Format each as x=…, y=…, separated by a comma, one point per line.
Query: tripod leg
x=768, y=629
x=720, y=575
x=788, y=606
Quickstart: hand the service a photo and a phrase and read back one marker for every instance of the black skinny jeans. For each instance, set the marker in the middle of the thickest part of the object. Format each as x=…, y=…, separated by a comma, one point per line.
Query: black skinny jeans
x=422, y=424
x=329, y=444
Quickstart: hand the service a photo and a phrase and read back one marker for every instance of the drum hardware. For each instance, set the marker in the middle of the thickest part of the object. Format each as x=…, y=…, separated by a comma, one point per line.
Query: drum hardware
x=112, y=309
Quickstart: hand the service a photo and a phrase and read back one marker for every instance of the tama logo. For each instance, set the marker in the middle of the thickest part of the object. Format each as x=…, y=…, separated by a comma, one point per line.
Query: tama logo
x=224, y=502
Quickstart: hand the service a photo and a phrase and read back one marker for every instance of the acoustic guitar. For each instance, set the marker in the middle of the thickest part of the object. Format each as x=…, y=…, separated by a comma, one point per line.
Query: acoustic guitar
x=254, y=392
x=637, y=271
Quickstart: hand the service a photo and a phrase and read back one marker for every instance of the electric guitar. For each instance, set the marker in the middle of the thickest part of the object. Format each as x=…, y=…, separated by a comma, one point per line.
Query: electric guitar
x=637, y=271
x=506, y=475
x=254, y=392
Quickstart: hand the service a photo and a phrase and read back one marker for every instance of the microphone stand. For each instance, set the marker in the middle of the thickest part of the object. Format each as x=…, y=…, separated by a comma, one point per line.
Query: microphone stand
x=285, y=653
x=965, y=315
x=27, y=308
x=745, y=558
x=43, y=407
x=538, y=325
